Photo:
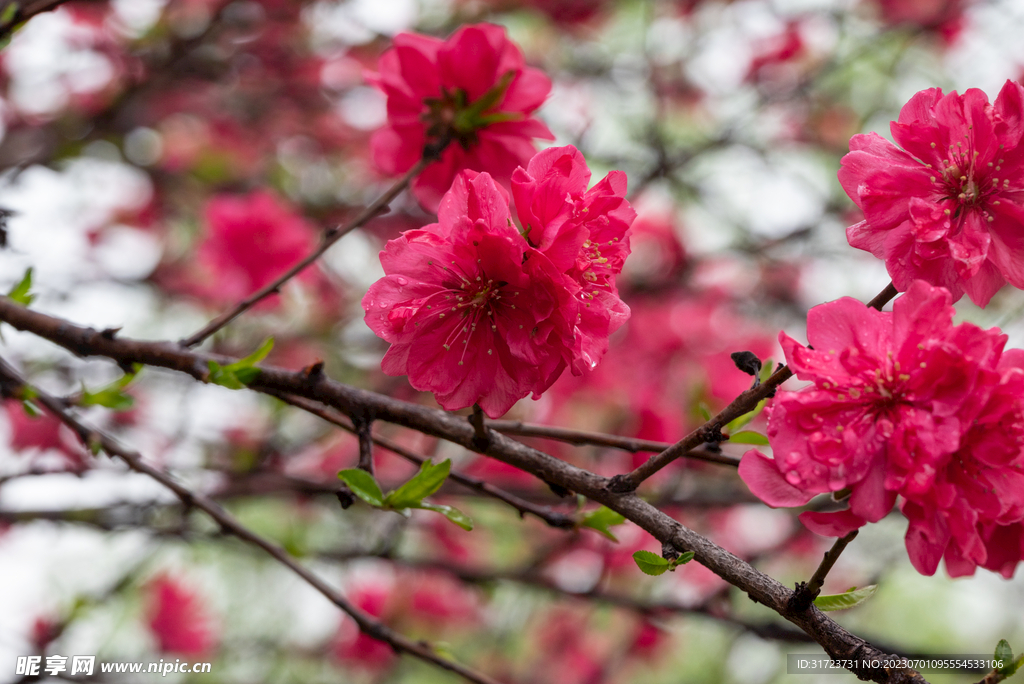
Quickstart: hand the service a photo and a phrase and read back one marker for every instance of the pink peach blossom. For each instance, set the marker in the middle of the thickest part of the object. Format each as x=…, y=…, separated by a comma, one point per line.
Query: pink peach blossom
x=903, y=404
x=585, y=234
x=947, y=207
x=472, y=312
x=474, y=87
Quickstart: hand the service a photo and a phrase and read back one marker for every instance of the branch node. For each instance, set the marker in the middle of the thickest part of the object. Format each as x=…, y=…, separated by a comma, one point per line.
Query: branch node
x=345, y=498
x=314, y=372
x=109, y=333
x=558, y=490
x=482, y=435
x=621, y=484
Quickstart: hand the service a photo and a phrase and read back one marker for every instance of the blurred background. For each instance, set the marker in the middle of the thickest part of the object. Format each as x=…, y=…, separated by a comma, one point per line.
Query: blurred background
x=145, y=141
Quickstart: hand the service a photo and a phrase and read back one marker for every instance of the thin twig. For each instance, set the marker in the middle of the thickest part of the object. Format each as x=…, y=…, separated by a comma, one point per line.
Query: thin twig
x=328, y=239
x=586, y=438
x=364, y=432
x=711, y=430
x=14, y=385
x=806, y=592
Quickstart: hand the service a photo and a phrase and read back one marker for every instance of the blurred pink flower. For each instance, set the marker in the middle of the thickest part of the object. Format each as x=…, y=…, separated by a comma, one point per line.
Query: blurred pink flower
x=44, y=433
x=250, y=240
x=178, y=619
x=902, y=403
x=946, y=208
x=946, y=17
x=351, y=644
x=475, y=87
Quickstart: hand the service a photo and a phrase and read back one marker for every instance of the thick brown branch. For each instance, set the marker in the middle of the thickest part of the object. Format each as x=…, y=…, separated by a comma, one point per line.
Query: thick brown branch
x=761, y=588
x=91, y=437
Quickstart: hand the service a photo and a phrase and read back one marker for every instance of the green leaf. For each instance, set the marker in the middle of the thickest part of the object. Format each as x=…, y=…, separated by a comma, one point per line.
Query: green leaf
x=705, y=413
x=748, y=437
x=240, y=373
x=20, y=292
x=9, y=13
x=110, y=396
x=1005, y=654
x=741, y=422
x=650, y=563
x=423, y=484
x=845, y=600
x=683, y=559
x=767, y=369
x=601, y=519
x=363, y=485
x=246, y=375
x=255, y=357
x=453, y=514
x=1003, y=651
x=31, y=410
x=220, y=375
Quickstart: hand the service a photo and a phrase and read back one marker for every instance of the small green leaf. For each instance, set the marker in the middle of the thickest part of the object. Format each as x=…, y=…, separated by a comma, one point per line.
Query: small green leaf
x=423, y=484
x=111, y=396
x=453, y=514
x=9, y=13
x=748, y=437
x=741, y=422
x=1003, y=651
x=31, y=410
x=845, y=600
x=240, y=373
x=20, y=292
x=363, y=485
x=683, y=559
x=221, y=375
x=1004, y=654
x=246, y=375
x=255, y=357
x=650, y=563
x=601, y=519
x=767, y=369
x=705, y=413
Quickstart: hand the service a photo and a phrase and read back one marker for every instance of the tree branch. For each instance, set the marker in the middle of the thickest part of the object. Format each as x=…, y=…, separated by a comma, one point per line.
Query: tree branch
x=806, y=592
x=552, y=518
x=761, y=588
x=585, y=438
x=742, y=404
x=13, y=385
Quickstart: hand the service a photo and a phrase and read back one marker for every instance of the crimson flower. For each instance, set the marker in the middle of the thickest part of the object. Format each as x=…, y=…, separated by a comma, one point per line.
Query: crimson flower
x=585, y=234
x=472, y=312
x=948, y=207
x=178, y=619
x=477, y=312
x=903, y=404
x=251, y=240
x=473, y=88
